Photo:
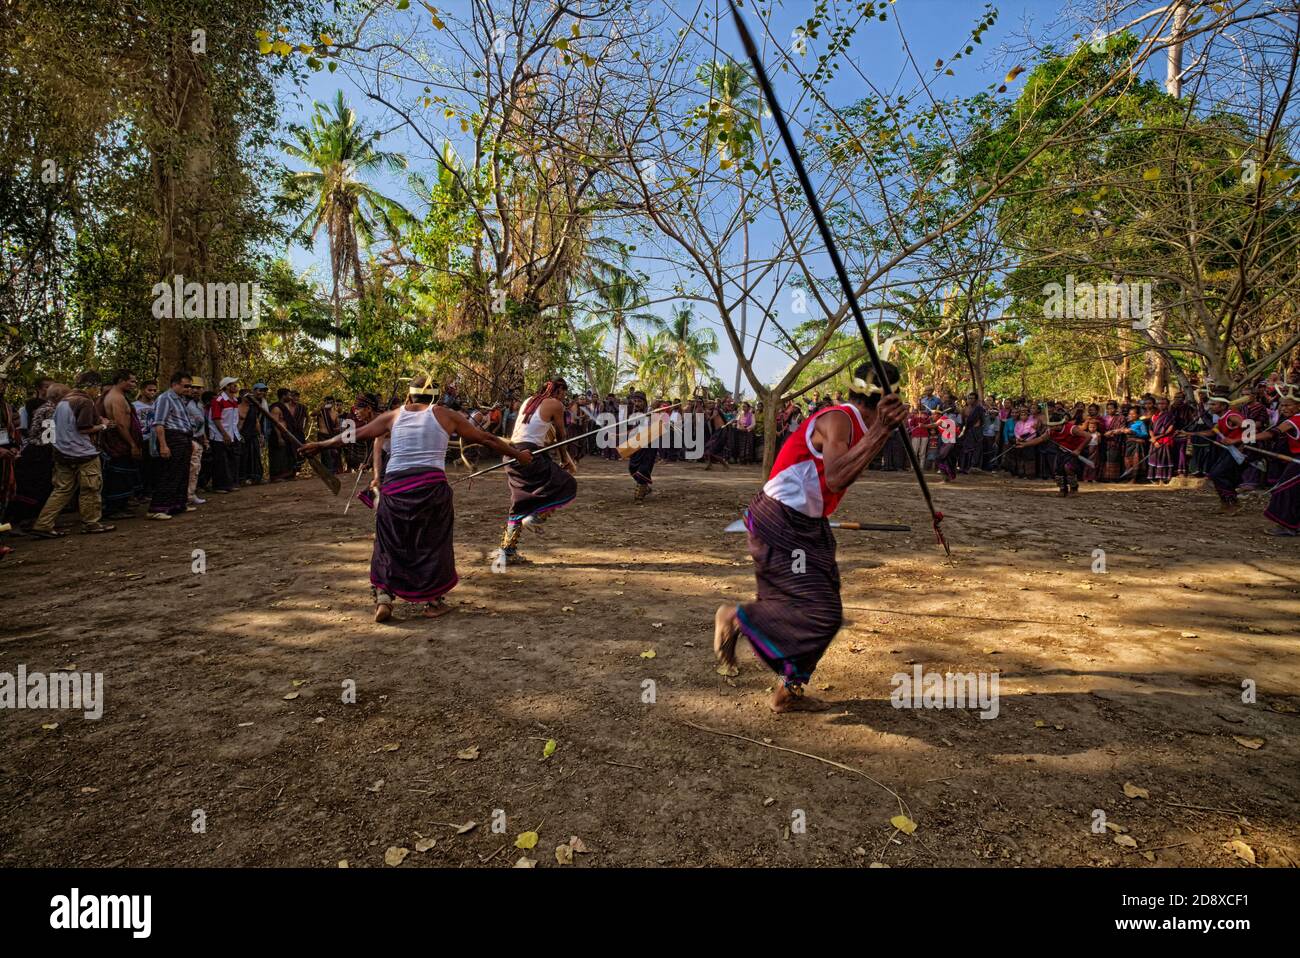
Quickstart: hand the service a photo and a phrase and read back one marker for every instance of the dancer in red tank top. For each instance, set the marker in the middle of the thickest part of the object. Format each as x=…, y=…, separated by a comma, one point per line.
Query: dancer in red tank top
x=1224, y=458
x=1284, y=502
x=1069, y=439
x=798, y=611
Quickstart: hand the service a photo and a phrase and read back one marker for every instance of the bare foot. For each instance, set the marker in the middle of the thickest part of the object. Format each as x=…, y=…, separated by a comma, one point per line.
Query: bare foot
x=433, y=610
x=725, y=632
x=383, y=612
x=787, y=699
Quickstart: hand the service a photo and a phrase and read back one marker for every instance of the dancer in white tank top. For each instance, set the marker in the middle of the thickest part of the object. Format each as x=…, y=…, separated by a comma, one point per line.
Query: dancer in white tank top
x=539, y=488
x=413, y=557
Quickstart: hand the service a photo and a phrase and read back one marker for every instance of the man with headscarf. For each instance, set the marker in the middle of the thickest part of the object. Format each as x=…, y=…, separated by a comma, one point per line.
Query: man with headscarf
x=414, y=558
x=1284, y=502
x=1068, y=439
x=641, y=463
x=797, y=611
x=1223, y=458
x=539, y=487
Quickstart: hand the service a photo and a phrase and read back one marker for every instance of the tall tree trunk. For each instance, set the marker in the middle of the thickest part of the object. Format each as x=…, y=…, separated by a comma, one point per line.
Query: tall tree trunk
x=744, y=279
x=1157, y=361
x=182, y=168
x=1174, y=59
x=618, y=346
x=771, y=406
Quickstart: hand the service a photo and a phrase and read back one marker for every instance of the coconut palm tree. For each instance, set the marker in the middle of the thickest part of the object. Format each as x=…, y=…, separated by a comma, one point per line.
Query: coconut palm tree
x=648, y=361
x=338, y=152
x=686, y=349
x=619, y=303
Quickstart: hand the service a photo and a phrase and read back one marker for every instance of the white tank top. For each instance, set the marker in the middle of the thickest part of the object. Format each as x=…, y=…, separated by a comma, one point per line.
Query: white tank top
x=534, y=431
x=417, y=441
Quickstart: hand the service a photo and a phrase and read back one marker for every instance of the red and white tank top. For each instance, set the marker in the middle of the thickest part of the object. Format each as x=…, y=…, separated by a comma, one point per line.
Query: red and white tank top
x=1229, y=426
x=798, y=477
x=1293, y=435
x=1064, y=435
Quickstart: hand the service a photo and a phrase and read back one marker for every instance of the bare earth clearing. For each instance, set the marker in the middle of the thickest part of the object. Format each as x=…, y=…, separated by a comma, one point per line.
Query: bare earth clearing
x=1129, y=676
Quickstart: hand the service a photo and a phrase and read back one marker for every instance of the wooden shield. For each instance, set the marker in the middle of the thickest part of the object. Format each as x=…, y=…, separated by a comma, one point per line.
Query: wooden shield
x=648, y=434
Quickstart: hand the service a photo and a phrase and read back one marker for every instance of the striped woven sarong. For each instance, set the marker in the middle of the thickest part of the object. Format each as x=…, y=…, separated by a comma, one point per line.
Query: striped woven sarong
x=539, y=487
x=1284, y=503
x=414, y=557
x=641, y=465
x=797, y=612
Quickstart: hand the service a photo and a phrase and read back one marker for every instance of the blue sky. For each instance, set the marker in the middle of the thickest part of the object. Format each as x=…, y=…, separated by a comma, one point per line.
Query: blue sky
x=934, y=29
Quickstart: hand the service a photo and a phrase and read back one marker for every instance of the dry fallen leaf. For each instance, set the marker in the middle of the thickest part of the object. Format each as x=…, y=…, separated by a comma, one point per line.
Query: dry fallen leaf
x=468, y=754
x=50, y=726
x=526, y=863
x=343, y=863
x=903, y=824
x=1128, y=841
x=395, y=855
x=526, y=840
x=424, y=844
x=577, y=845
x=1135, y=791
x=390, y=747
x=1241, y=850
x=1251, y=743
x=564, y=854
x=467, y=827
x=291, y=696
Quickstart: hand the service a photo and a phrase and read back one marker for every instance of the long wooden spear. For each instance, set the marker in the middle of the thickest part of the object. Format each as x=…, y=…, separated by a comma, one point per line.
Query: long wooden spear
x=324, y=475
x=832, y=251
x=1250, y=448
x=565, y=442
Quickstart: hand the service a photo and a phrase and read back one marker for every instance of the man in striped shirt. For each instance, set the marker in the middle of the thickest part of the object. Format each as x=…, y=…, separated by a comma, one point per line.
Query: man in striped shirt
x=171, y=425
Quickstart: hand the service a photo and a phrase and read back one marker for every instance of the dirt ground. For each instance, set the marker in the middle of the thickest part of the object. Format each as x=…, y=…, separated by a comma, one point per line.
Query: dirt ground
x=1131, y=676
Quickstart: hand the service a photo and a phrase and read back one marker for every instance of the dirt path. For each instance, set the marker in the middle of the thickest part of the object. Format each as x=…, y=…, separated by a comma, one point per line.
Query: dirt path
x=1133, y=675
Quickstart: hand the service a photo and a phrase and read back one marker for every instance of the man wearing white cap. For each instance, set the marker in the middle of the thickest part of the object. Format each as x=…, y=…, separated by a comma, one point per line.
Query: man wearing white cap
x=223, y=413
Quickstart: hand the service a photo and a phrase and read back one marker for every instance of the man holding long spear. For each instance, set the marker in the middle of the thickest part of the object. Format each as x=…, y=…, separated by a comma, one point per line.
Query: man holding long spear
x=414, y=558
x=538, y=486
x=798, y=611
x=1225, y=457
x=1284, y=502
x=1069, y=439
